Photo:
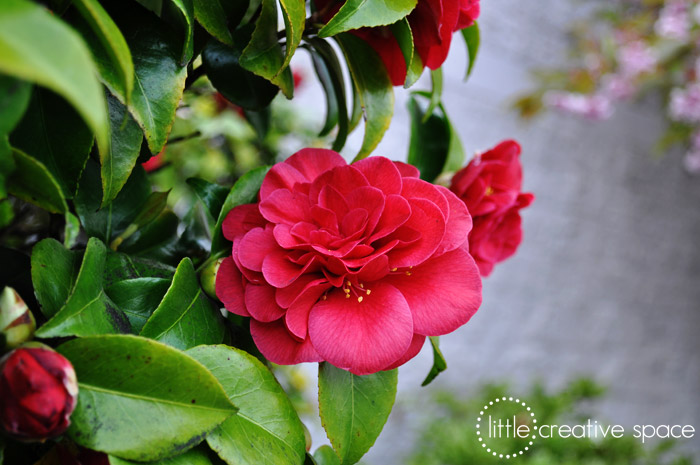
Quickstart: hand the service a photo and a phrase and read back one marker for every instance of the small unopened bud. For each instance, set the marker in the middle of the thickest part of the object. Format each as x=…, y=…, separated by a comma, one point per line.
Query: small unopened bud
x=207, y=277
x=17, y=323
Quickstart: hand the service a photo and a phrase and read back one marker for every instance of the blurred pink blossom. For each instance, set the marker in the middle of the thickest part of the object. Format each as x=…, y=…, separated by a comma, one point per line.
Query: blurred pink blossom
x=691, y=162
x=674, y=21
x=636, y=58
x=685, y=104
x=594, y=107
x=618, y=87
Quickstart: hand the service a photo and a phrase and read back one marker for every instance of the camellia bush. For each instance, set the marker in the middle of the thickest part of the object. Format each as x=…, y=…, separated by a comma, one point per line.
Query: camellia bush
x=138, y=328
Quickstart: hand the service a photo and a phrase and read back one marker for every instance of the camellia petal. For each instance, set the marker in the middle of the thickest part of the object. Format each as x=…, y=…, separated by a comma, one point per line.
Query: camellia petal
x=229, y=287
x=413, y=350
x=260, y=302
x=279, y=346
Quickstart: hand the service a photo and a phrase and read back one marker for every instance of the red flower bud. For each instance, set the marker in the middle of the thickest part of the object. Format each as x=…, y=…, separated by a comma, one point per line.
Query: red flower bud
x=38, y=392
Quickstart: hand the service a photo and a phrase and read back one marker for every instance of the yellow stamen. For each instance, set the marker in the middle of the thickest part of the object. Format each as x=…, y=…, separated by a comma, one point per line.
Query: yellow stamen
x=347, y=296
x=489, y=191
x=394, y=269
x=347, y=291
x=369, y=291
x=408, y=273
x=362, y=286
x=359, y=299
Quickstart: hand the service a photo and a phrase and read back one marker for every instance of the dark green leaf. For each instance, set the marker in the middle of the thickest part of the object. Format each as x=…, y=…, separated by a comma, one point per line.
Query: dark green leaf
x=186, y=317
x=196, y=456
x=267, y=428
x=439, y=363
x=294, y=14
x=140, y=399
x=14, y=99
x=31, y=181
x=54, y=134
x=472, y=37
x=88, y=311
x=185, y=9
x=71, y=230
x=263, y=54
x=120, y=267
x=237, y=84
x=111, y=39
x=435, y=94
x=404, y=36
x=260, y=120
x=330, y=73
x=126, y=146
x=354, y=408
x=212, y=195
x=355, y=14
x=374, y=89
x=325, y=455
x=212, y=17
x=159, y=80
x=54, y=272
x=150, y=212
x=244, y=191
x=138, y=298
x=36, y=46
x=430, y=141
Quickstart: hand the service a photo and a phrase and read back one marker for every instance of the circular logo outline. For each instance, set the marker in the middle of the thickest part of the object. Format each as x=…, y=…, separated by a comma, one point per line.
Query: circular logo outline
x=531, y=438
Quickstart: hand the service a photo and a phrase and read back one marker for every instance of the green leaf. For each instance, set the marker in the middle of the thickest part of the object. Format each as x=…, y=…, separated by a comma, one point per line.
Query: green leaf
x=31, y=181
x=325, y=455
x=244, y=191
x=14, y=99
x=355, y=14
x=149, y=212
x=126, y=146
x=330, y=73
x=430, y=141
x=354, y=408
x=267, y=428
x=7, y=166
x=186, y=317
x=294, y=14
x=212, y=195
x=138, y=298
x=185, y=9
x=88, y=311
x=155, y=239
x=263, y=54
x=159, y=79
x=120, y=267
x=140, y=399
x=439, y=363
x=54, y=272
x=71, y=231
x=374, y=87
x=212, y=17
x=472, y=37
x=196, y=456
x=237, y=84
x=111, y=39
x=435, y=94
x=404, y=36
x=53, y=133
x=36, y=46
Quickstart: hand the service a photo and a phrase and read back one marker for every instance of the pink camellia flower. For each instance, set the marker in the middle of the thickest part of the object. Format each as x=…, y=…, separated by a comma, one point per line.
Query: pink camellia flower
x=351, y=264
x=490, y=186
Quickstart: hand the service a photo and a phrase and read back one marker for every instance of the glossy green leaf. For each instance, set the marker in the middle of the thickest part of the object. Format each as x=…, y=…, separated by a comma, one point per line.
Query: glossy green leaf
x=244, y=191
x=7, y=166
x=355, y=14
x=330, y=73
x=212, y=195
x=472, y=37
x=435, y=94
x=149, y=212
x=71, y=230
x=140, y=399
x=33, y=182
x=38, y=47
x=159, y=79
x=212, y=17
x=186, y=317
x=154, y=239
x=14, y=99
x=196, y=456
x=430, y=141
x=121, y=267
x=354, y=408
x=267, y=428
x=404, y=36
x=185, y=9
x=88, y=311
x=325, y=455
x=294, y=14
x=374, y=87
x=126, y=146
x=138, y=298
x=439, y=363
x=263, y=54
x=54, y=134
x=54, y=272
x=235, y=83
x=111, y=39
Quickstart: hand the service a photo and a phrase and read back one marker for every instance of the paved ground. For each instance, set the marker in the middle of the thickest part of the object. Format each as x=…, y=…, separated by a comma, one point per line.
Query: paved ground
x=607, y=281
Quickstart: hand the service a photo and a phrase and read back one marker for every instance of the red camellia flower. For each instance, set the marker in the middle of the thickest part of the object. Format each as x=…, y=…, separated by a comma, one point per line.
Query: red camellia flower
x=432, y=23
x=38, y=392
x=352, y=264
x=490, y=187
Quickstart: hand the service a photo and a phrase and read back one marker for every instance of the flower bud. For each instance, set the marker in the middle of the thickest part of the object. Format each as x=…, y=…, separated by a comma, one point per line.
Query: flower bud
x=17, y=323
x=38, y=392
x=207, y=277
